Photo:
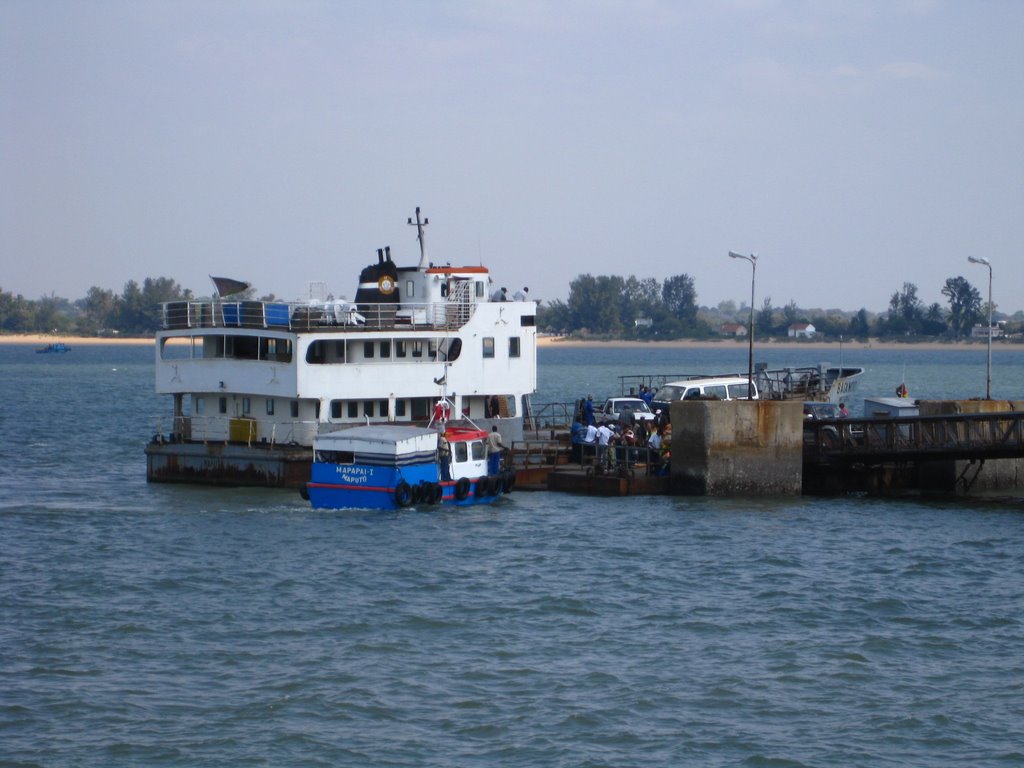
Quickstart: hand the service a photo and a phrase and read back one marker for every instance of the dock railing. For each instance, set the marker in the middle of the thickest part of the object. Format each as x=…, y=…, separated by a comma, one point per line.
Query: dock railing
x=548, y=416
x=915, y=438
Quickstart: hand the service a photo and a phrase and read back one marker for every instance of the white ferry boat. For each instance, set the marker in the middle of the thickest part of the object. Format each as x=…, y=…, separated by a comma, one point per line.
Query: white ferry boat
x=255, y=382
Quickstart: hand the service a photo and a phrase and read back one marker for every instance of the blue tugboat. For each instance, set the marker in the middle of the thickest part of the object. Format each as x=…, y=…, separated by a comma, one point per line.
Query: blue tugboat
x=391, y=467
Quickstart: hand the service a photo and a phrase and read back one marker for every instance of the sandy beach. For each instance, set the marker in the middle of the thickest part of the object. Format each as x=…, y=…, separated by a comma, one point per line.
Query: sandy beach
x=39, y=339
x=42, y=339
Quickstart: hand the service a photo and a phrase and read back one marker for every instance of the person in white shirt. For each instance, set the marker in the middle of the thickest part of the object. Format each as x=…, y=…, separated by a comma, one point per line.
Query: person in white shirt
x=654, y=441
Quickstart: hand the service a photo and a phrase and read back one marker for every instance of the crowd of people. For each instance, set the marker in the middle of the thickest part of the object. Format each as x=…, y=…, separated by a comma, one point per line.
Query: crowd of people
x=627, y=440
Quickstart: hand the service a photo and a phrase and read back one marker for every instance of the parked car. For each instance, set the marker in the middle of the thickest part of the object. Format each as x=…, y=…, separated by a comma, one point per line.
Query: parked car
x=708, y=388
x=817, y=411
x=614, y=406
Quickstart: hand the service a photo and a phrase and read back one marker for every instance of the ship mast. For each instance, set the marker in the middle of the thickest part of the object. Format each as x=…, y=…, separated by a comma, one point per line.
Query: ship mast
x=420, y=224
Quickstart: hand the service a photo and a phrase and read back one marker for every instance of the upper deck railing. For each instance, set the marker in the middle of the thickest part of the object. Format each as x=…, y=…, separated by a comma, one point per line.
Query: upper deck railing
x=334, y=316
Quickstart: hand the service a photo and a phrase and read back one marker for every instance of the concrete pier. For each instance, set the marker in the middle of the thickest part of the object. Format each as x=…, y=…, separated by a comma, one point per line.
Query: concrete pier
x=737, y=448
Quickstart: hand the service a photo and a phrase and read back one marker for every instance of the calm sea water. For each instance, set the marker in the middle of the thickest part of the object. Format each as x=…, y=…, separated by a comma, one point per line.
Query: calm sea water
x=182, y=626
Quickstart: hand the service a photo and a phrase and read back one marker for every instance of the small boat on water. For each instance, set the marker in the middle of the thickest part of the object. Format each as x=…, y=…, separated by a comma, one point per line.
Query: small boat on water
x=55, y=348
x=392, y=467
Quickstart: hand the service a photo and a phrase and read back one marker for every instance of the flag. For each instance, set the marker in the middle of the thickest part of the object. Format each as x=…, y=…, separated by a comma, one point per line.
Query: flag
x=226, y=286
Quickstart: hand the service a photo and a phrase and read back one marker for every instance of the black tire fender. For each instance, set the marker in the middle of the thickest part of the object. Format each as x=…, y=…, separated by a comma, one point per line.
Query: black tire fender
x=403, y=494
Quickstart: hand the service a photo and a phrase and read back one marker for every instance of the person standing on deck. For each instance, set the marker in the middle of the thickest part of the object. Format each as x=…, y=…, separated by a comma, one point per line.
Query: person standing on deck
x=588, y=411
x=444, y=457
x=494, y=448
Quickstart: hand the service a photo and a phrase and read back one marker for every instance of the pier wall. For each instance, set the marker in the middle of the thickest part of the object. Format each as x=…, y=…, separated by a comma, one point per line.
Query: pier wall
x=970, y=476
x=737, y=448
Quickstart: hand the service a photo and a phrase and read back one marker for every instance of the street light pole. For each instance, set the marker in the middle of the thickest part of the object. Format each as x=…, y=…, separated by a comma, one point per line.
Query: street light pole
x=988, y=370
x=752, y=258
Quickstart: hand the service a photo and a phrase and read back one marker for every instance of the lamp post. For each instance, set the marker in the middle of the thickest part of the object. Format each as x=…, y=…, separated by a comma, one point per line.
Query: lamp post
x=752, y=258
x=988, y=370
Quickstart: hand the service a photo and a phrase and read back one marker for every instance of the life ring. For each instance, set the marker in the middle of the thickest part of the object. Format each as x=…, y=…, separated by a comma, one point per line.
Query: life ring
x=403, y=494
x=437, y=493
x=462, y=488
x=386, y=284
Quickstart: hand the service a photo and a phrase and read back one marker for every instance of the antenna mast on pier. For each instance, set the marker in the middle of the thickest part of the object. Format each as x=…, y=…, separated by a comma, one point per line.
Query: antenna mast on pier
x=420, y=236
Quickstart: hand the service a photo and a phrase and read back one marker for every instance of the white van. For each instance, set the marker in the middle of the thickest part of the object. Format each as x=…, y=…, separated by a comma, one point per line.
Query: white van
x=721, y=388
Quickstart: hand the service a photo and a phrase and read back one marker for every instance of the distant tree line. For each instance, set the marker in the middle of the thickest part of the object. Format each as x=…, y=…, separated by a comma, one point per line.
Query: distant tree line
x=613, y=306
x=609, y=306
x=598, y=306
x=135, y=311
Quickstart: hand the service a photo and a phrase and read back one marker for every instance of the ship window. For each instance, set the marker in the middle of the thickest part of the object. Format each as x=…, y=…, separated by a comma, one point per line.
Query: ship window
x=489, y=346
x=367, y=349
x=270, y=406
x=246, y=406
x=383, y=405
x=399, y=408
x=421, y=408
x=513, y=347
x=417, y=349
x=460, y=452
x=410, y=289
x=245, y=347
x=295, y=409
x=222, y=405
x=479, y=289
x=368, y=408
x=353, y=409
x=528, y=320
x=454, y=349
x=199, y=405
x=400, y=349
x=385, y=350
x=479, y=452
x=174, y=350
x=432, y=349
x=335, y=457
x=335, y=409
x=315, y=353
x=339, y=350
x=213, y=346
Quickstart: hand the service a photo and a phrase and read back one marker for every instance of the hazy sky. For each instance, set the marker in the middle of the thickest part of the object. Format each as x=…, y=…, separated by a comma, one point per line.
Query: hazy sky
x=852, y=145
